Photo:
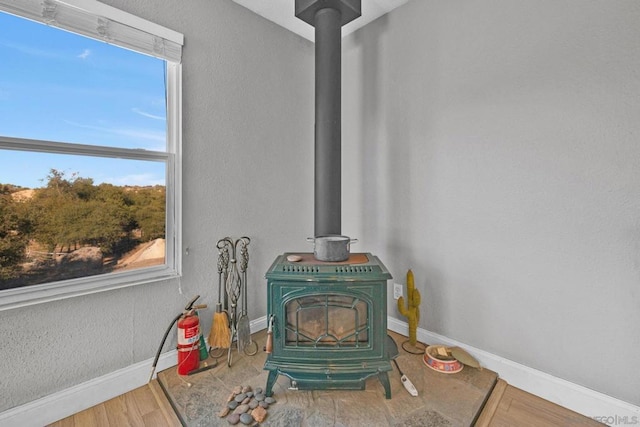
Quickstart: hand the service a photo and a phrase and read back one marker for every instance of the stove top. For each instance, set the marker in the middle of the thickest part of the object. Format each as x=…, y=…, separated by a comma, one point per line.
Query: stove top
x=359, y=266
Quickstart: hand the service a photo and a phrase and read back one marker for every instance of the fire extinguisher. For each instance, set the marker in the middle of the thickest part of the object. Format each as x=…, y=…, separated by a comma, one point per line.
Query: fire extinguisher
x=187, y=330
x=188, y=342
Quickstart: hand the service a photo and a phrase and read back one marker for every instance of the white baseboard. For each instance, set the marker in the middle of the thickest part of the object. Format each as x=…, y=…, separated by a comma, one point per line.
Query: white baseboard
x=67, y=402
x=258, y=324
x=582, y=400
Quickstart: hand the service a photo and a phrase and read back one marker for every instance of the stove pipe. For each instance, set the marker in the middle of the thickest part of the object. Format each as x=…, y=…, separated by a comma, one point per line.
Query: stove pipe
x=328, y=17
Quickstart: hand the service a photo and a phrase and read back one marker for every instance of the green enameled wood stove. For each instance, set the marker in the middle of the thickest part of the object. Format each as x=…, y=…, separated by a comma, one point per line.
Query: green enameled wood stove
x=329, y=319
x=329, y=323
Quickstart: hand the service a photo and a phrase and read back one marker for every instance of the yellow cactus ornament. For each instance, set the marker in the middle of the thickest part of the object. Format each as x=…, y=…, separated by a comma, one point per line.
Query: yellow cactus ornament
x=412, y=311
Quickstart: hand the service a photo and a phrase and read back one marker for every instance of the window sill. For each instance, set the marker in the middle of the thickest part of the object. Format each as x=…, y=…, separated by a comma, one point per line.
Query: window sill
x=38, y=294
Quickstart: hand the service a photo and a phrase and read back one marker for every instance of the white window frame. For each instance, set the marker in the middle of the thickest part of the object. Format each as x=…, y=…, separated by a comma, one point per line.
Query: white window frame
x=140, y=35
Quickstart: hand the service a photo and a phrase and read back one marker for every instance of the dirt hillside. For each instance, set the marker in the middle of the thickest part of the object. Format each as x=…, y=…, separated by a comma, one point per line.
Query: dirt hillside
x=147, y=254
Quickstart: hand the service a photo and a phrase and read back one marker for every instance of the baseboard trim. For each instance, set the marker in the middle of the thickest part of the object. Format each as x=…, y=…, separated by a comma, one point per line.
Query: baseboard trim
x=258, y=324
x=62, y=404
x=582, y=400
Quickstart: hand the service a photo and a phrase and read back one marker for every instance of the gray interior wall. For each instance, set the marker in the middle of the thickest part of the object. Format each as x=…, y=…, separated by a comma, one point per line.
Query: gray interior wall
x=488, y=146
x=493, y=148
x=248, y=167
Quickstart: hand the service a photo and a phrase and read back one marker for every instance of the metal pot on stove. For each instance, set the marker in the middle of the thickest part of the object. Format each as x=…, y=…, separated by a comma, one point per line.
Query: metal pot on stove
x=331, y=247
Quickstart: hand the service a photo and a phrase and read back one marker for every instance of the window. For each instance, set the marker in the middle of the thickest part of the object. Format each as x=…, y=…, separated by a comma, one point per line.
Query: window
x=90, y=150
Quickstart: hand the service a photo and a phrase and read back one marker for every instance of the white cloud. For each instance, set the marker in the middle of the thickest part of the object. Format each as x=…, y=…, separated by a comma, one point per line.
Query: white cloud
x=85, y=54
x=145, y=114
x=29, y=50
x=149, y=135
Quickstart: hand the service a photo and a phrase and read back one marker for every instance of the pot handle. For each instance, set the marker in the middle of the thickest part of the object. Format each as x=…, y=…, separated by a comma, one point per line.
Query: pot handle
x=311, y=239
x=353, y=241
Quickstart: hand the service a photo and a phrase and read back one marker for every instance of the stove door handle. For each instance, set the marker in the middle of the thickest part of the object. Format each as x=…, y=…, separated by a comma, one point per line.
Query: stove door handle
x=269, y=346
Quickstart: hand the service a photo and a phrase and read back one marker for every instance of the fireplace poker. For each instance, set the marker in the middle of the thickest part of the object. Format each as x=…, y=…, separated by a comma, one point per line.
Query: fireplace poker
x=244, y=330
x=233, y=287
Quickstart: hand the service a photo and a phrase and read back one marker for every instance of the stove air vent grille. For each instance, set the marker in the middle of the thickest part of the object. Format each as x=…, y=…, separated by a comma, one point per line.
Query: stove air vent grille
x=372, y=269
x=328, y=269
x=354, y=269
x=300, y=268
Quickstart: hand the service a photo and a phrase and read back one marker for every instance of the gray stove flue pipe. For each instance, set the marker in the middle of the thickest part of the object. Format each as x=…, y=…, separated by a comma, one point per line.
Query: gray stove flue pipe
x=328, y=17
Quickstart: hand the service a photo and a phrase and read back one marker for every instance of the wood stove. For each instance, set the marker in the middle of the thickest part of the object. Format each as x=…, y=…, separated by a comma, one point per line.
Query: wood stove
x=329, y=323
x=329, y=318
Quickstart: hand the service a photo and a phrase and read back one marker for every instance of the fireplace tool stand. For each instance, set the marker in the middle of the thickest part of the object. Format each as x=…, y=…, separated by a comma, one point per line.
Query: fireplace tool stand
x=235, y=288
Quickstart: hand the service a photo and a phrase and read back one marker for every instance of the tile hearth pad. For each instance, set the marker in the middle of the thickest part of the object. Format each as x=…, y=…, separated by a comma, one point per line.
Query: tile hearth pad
x=444, y=399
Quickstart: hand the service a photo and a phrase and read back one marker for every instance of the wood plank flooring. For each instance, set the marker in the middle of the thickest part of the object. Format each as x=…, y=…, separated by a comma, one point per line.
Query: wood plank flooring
x=147, y=406
x=509, y=406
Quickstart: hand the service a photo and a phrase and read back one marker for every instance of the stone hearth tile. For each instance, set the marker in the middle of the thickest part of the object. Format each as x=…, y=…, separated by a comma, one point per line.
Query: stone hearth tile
x=323, y=410
x=284, y=416
x=361, y=408
x=444, y=399
x=401, y=402
x=302, y=399
x=426, y=418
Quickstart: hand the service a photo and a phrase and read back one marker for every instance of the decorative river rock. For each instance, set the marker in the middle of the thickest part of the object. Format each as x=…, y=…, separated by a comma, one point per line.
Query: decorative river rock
x=246, y=406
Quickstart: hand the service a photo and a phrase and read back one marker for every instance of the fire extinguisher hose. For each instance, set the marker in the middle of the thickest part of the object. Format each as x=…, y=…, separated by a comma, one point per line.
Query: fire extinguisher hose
x=164, y=339
x=188, y=307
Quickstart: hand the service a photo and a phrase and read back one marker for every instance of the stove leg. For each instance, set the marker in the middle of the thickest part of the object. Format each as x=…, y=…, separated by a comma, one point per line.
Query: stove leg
x=271, y=380
x=384, y=379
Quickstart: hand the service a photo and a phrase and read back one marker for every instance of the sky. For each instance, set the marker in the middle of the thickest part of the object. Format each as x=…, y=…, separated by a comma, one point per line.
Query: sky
x=59, y=86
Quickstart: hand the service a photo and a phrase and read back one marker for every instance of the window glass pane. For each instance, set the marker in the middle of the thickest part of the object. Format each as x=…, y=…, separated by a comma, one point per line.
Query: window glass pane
x=30, y=169
x=76, y=216
x=59, y=86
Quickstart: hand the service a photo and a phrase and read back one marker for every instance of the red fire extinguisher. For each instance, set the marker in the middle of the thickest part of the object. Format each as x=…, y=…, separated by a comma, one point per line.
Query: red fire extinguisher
x=188, y=339
x=188, y=342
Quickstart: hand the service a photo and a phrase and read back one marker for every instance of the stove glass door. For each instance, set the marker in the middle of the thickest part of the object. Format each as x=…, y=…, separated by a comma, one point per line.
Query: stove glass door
x=327, y=321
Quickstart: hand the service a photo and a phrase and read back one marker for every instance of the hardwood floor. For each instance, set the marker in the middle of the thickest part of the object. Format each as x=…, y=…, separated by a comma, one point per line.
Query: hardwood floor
x=509, y=406
x=147, y=406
